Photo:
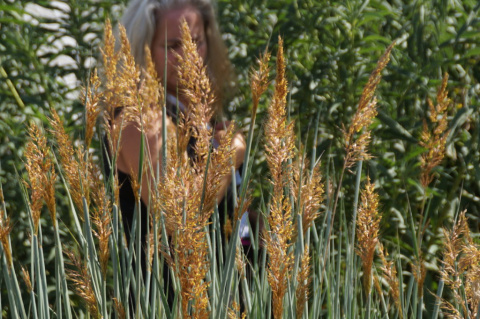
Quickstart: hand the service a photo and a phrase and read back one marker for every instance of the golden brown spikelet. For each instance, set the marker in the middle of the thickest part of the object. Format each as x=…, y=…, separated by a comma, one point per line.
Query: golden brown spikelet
x=82, y=283
x=233, y=311
x=220, y=166
x=368, y=224
x=461, y=270
x=279, y=136
x=279, y=146
x=390, y=275
x=5, y=230
x=26, y=279
x=73, y=162
x=102, y=220
x=374, y=79
x=119, y=308
x=152, y=93
x=304, y=280
x=434, y=140
x=91, y=97
x=33, y=165
x=356, y=147
x=419, y=273
x=42, y=175
x=110, y=64
x=187, y=192
x=259, y=81
x=311, y=193
x=196, y=87
x=472, y=289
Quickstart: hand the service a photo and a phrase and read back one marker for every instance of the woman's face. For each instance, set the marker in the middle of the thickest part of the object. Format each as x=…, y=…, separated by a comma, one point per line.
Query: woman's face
x=169, y=31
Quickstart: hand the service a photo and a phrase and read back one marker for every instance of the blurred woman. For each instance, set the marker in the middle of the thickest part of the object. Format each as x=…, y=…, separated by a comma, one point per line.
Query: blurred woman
x=156, y=23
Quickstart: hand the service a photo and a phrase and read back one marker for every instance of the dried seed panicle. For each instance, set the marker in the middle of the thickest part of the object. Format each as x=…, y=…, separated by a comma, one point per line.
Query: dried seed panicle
x=311, y=194
x=102, y=220
x=356, y=147
x=304, y=281
x=188, y=192
x=5, y=230
x=279, y=146
x=259, y=80
x=73, y=163
x=26, y=279
x=390, y=275
x=434, y=140
x=42, y=175
x=368, y=225
x=196, y=87
x=91, y=97
x=82, y=283
x=461, y=261
x=119, y=308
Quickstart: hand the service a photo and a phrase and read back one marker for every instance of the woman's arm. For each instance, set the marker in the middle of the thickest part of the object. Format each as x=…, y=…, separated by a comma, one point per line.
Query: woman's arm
x=129, y=155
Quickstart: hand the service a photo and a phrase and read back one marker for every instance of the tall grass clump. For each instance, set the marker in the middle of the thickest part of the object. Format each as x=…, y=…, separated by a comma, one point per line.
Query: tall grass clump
x=315, y=256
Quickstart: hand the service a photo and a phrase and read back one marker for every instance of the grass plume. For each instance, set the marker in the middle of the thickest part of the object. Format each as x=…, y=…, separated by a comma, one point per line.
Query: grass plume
x=81, y=280
x=304, y=280
x=434, y=140
x=5, y=230
x=356, y=146
x=279, y=146
x=73, y=162
x=91, y=98
x=368, y=225
x=390, y=275
x=188, y=191
x=461, y=272
x=42, y=176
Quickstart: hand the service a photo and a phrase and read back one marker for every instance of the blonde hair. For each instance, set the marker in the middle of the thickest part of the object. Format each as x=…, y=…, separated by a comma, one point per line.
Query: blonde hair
x=140, y=20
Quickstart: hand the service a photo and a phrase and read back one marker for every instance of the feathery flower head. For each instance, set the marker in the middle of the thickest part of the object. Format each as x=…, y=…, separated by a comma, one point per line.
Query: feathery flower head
x=196, y=87
x=5, y=230
x=91, y=99
x=279, y=146
x=259, y=80
x=73, y=163
x=368, y=225
x=304, y=280
x=26, y=279
x=461, y=260
x=42, y=176
x=434, y=140
x=390, y=275
x=356, y=147
x=82, y=283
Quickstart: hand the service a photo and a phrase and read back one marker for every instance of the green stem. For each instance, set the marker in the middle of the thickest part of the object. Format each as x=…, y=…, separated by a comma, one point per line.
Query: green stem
x=12, y=88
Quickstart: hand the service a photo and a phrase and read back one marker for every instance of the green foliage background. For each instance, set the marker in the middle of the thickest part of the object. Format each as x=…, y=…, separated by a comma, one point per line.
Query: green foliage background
x=331, y=48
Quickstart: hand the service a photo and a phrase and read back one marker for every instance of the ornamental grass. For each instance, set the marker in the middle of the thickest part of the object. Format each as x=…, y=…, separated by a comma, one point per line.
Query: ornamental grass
x=312, y=259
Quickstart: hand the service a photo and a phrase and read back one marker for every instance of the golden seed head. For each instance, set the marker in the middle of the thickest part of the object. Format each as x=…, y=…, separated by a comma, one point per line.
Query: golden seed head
x=5, y=230
x=434, y=139
x=368, y=225
x=304, y=281
x=259, y=80
x=356, y=147
x=82, y=283
x=26, y=279
x=91, y=99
